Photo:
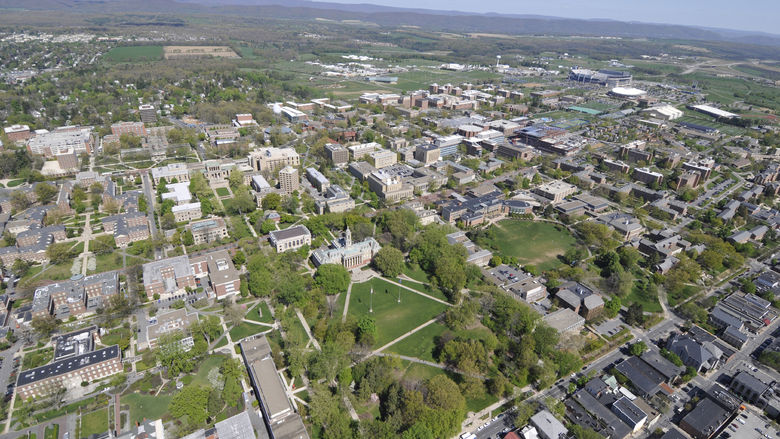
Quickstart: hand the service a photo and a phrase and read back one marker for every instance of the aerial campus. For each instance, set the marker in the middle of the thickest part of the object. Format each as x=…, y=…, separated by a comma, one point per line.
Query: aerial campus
x=249, y=222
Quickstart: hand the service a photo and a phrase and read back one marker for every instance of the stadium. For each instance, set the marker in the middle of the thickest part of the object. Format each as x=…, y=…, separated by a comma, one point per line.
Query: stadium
x=611, y=78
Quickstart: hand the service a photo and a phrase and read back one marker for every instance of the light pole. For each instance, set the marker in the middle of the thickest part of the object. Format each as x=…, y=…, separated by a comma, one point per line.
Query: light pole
x=371, y=301
x=399, y=290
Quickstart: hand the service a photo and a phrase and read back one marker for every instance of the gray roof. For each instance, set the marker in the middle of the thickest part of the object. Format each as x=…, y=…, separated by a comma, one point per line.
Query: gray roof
x=628, y=411
x=236, y=427
x=642, y=376
x=661, y=364
x=674, y=433
x=751, y=382
x=706, y=417
x=549, y=425
x=290, y=232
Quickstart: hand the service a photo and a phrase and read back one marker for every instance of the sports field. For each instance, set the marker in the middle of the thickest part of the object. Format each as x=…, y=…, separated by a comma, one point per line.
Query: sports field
x=393, y=319
x=532, y=242
x=135, y=53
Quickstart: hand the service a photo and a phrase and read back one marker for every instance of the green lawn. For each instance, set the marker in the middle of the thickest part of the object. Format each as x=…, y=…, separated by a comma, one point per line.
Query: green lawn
x=420, y=344
x=135, y=53
x=245, y=330
x=221, y=343
x=537, y=243
x=425, y=289
x=211, y=362
x=649, y=304
x=393, y=319
x=422, y=372
x=222, y=191
x=52, y=432
x=415, y=272
x=260, y=313
x=146, y=406
x=58, y=272
x=14, y=183
x=107, y=262
x=37, y=358
x=94, y=422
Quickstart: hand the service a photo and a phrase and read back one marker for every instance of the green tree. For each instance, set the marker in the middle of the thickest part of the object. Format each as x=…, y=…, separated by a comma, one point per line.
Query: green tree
x=332, y=278
x=389, y=260
x=638, y=348
x=45, y=193
x=271, y=201
x=102, y=245
x=366, y=330
x=235, y=179
x=59, y=252
x=190, y=406
x=267, y=226
x=612, y=306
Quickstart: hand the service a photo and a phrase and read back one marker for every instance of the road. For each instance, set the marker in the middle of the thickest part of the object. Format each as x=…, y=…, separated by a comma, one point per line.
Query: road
x=150, y=211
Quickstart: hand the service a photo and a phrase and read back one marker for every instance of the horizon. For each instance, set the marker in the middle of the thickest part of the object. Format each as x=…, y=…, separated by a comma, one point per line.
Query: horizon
x=721, y=14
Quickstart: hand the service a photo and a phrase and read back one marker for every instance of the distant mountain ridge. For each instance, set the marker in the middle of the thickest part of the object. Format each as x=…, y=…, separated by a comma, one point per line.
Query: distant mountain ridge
x=454, y=21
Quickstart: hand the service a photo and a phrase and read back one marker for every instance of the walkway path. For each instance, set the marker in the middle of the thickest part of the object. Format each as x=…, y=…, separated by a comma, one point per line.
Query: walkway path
x=312, y=340
x=415, y=291
x=432, y=364
x=392, y=342
x=346, y=303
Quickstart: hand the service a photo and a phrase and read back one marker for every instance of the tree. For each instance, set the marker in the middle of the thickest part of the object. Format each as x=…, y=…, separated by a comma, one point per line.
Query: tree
x=748, y=286
x=168, y=221
x=102, y=245
x=19, y=200
x=389, y=260
x=612, y=306
x=621, y=282
x=236, y=178
x=366, y=330
x=332, y=278
x=59, y=253
x=443, y=394
x=44, y=325
x=267, y=226
x=628, y=256
x=242, y=202
x=635, y=315
x=190, y=406
x=271, y=201
x=188, y=239
x=495, y=261
x=45, y=193
x=290, y=203
x=638, y=348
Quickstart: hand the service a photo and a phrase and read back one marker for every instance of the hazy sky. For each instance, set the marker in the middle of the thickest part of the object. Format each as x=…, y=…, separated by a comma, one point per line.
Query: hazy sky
x=754, y=15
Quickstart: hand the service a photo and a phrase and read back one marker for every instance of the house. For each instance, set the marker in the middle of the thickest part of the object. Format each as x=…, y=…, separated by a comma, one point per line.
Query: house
x=548, y=426
x=564, y=320
x=701, y=356
x=669, y=370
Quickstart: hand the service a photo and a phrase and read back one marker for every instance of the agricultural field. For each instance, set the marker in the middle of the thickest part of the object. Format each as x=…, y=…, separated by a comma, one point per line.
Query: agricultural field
x=135, y=54
x=175, y=52
x=536, y=243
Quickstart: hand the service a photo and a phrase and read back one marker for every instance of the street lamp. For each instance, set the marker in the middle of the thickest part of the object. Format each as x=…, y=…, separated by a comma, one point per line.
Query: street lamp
x=371, y=301
x=399, y=290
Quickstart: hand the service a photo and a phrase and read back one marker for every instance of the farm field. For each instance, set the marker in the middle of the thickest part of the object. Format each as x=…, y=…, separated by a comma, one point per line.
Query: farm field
x=135, y=54
x=172, y=52
x=537, y=243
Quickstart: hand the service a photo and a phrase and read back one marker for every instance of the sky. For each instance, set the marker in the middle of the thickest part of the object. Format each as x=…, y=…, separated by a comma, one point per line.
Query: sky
x=751, y=15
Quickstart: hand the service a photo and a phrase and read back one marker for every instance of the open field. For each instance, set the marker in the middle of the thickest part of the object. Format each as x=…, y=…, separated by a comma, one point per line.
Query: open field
x=393, y=319
x=260, y=313
x=146, y=406
x=421, y=344
x=537, y=243
x=245, y=330
x=172, y=52
x=94, y=422
x=135, y=53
